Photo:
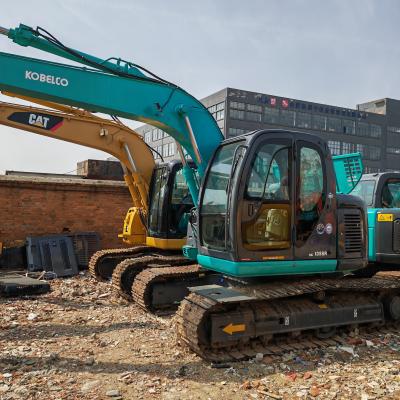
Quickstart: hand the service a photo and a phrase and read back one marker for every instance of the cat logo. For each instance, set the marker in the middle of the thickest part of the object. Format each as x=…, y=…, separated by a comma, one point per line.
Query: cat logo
x=38, y=120
x=43, y=121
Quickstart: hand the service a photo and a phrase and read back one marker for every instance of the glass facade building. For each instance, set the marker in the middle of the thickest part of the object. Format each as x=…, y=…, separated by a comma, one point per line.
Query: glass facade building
x=372, y=128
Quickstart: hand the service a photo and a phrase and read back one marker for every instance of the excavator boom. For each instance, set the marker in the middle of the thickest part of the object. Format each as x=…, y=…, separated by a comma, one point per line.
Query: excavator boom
x=113, y=87
x=84, y=129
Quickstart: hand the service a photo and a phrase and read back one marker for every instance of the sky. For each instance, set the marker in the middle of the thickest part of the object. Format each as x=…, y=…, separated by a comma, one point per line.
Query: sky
x=339, y=52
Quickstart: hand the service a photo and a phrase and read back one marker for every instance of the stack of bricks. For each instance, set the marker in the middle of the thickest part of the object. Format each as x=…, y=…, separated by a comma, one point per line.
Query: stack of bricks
x=34, y=206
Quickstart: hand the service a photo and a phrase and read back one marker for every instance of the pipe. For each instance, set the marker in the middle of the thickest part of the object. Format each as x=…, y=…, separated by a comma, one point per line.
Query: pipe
x=181, y=155
x=193, y=139
x=130, y=158
x=4, y=31
x=136, y=179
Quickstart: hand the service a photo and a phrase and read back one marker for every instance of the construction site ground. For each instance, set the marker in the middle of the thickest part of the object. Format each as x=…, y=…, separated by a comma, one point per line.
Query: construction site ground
x=80, y=342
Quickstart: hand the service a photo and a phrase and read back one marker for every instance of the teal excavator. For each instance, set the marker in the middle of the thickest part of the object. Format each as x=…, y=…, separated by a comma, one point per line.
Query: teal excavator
x=273, y=238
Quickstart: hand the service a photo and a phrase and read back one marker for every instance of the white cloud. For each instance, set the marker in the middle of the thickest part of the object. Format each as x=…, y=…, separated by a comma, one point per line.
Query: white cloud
x=336, y=52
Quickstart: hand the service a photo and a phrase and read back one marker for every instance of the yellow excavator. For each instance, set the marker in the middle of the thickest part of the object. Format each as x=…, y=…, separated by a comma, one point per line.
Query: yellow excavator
x=156, y=224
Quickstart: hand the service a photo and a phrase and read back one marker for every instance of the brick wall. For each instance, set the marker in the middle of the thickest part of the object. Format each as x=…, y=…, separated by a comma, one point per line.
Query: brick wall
x=31, y=206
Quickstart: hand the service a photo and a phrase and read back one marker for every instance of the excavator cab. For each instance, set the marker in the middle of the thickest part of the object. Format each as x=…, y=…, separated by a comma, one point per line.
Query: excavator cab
x=381, y=194
x=170, y=203
x=268, y=206
x=379, y=190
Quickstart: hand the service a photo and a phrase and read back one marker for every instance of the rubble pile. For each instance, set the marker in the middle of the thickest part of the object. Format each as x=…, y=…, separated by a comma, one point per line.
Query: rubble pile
x=79, y=342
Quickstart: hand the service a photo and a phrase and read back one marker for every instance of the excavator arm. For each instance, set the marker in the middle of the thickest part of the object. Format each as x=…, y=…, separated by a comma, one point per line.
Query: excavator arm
x=114, y=87
x=83, y=128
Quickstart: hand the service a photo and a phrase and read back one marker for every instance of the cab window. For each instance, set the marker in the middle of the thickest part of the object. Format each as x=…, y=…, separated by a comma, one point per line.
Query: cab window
x=268, y=191
x=181, y=204
x=216, y=195
x=365, y=191
x=310, y=200
x=391, y=194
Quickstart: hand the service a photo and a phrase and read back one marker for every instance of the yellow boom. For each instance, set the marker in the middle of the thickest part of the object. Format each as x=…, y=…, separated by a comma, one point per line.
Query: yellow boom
x=81, y=127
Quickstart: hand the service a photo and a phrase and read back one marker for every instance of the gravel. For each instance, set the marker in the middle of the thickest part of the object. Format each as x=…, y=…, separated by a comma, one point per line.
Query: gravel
x=79, y=342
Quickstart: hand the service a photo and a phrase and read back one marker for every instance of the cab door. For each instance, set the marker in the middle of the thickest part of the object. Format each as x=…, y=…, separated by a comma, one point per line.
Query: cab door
x=266, y=205
x=315, y=222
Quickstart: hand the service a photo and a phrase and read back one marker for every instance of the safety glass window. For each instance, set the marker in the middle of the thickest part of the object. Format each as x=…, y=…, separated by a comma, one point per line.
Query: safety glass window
x=311, y=200
x=269, y=177
x=365, y=191
x=391, y=194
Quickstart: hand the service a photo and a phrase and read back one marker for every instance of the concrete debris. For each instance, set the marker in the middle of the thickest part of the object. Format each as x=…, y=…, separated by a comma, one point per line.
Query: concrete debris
x=32, y=316
x=113, y=393
x=76, y=342
x=347, y=349
x=88, y=386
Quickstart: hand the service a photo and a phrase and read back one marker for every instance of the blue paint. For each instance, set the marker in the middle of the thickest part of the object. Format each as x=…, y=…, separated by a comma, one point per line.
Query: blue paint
x=266, y=268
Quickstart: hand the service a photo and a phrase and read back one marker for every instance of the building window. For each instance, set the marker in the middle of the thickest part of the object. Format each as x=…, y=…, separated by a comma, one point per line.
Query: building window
x=253, y=116
x=157, y=134
x=362, y=129
x=373, y=153
x=236, y=114
x=334, y=124
x=220, y=106
x=393, y=150
x=271, y=115
x=147, y=137
x=220, y=115
x=254, y=108
x=394, y=129
x=375, y=131
x=348, y=126
x=236, y=131
x=319, y=122
x=168, y=149
x=165, y=150
x=303, y=120
x=334, y=147
x=287, y=117
x=348, y=148
x=237, y=105
x=212, y=109
x=158, y=152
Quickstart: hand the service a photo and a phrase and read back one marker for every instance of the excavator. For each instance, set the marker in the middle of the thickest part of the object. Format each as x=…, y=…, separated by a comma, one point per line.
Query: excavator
x=78, y=126
x=272, y=258
x=381, y=192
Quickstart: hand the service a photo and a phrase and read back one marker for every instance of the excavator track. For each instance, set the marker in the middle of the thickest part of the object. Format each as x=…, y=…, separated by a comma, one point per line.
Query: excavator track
x=103, y=262
x=143, y=285
x=126, y=271
x=230, y=324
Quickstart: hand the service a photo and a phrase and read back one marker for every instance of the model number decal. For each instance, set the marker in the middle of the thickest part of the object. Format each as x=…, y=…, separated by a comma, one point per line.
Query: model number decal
x=50, y=79
x=318, y=253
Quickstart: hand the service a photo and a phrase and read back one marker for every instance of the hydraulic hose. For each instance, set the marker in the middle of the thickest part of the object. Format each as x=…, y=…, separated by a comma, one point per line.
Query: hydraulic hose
x=4, y=31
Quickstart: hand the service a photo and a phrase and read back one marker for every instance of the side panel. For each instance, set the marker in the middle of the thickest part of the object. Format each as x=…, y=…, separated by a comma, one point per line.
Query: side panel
x=387, y=237
x=267, y=268
x=372, y=234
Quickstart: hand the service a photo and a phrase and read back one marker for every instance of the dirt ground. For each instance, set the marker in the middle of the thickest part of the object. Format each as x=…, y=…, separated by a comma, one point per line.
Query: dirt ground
x=79, y=342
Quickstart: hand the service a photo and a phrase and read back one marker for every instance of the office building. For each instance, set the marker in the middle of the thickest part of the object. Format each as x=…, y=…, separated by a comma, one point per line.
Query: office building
x=372, y=128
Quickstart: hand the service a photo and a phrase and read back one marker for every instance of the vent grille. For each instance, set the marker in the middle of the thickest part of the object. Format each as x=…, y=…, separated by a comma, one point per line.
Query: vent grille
x=353, y=233
x=396, y=236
